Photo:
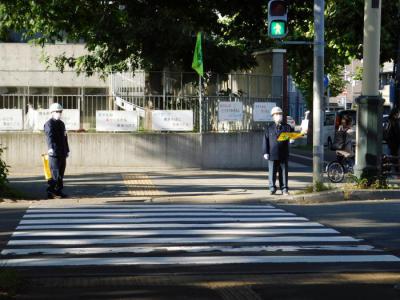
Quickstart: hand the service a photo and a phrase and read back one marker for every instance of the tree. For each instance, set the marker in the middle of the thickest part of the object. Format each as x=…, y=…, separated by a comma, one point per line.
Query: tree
x=344, y=21
x=156, y=34
x=151, y=34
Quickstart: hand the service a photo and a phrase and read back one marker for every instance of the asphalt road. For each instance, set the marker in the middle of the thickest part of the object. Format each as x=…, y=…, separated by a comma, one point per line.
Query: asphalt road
x=378, y=222
x=304, y=156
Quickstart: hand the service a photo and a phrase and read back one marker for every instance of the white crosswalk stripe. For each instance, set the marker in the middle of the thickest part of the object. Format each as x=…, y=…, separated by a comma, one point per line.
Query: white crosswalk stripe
x=136, y=235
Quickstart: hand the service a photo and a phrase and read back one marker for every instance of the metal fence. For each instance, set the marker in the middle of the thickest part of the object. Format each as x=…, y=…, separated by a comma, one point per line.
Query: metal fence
x=161, y=91
x=89, y=104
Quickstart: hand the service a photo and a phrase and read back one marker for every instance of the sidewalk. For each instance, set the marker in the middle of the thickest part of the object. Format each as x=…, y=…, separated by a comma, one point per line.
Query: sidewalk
x=158, y=185
x=122, y=184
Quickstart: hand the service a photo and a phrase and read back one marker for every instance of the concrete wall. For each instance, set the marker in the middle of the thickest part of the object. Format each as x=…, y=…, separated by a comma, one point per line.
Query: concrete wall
x=186, y=150
x=20, y=65
x=242, y=150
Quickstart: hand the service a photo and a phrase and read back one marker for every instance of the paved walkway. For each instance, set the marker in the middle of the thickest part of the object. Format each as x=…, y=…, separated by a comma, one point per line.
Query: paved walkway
x=159, y=184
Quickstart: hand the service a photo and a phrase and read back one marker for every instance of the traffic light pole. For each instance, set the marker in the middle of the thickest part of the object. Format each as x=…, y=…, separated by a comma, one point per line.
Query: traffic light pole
x=370, y=103
x=318, y=91
x=396, y=103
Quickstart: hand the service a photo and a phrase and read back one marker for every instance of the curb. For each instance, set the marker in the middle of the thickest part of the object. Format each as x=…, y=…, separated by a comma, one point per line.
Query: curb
x=341, y=195
x=320, y=197
x=312, y=198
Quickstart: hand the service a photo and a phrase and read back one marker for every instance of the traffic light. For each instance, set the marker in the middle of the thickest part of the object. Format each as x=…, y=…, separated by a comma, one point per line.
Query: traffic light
x=277, y=18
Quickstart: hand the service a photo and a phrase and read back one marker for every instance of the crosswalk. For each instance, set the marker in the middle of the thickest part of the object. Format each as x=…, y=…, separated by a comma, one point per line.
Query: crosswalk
x=168, y=234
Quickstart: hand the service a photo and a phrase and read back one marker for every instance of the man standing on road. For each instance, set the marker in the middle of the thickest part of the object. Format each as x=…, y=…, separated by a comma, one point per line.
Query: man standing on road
x=58, y=150
x=276, y=152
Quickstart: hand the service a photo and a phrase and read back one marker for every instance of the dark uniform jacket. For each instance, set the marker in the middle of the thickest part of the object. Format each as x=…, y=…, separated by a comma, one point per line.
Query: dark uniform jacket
x=276, y=150
x=56, y=137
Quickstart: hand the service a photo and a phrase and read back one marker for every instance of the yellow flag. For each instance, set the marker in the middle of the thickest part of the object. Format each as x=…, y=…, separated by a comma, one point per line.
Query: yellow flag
x=284, y=136
x=46, y=166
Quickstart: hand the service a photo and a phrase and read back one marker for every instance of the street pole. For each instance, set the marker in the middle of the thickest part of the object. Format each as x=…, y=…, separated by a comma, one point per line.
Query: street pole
x=200, y=106
x=370, y=103
x=396, y=103
x=318, y=91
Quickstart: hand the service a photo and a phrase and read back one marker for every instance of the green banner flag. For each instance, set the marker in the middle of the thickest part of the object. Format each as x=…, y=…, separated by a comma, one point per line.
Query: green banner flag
x=197, y=63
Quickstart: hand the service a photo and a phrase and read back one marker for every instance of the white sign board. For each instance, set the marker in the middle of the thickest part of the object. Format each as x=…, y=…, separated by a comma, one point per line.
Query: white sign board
x=262, y=111
x=230, y=111
x=116, y=120
x=172, y=120
x=11, y=119
x=71, y=118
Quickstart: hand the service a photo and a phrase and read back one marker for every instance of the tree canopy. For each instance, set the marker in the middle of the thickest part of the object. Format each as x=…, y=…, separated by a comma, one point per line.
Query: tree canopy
x=153, y=34
x=344, y=22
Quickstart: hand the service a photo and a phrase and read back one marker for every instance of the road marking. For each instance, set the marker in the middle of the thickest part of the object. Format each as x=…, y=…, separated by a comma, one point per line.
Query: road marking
x=162, y=231
x=172, y=225
x=301, y=156
x=196, y=260
x=141, y=215
x=135, y=210
x=177, y=235
x=167, y=206
x=184, y=240
x=305, y=157
x=156, y=220
x=188, y=249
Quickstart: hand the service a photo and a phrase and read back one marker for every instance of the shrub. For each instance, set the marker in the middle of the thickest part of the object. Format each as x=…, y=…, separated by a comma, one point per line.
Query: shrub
x=4, y=170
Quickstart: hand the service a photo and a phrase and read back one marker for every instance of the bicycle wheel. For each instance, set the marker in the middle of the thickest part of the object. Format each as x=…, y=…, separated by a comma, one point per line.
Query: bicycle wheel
x=335, y=171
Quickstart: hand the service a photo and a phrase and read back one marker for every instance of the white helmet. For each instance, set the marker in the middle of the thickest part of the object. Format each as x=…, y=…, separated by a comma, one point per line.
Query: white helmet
x=55, y=107
x=276, y=110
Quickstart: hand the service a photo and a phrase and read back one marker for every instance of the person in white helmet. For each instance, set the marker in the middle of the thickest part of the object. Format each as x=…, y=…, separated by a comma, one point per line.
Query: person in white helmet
x=58, y=150
x=277, y=153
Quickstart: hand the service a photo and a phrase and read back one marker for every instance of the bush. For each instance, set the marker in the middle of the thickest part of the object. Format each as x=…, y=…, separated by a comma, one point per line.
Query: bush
x=378, y=183
x=4, y=170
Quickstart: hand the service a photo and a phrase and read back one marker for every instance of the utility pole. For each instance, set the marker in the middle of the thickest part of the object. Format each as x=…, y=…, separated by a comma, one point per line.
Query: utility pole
x=396, y=103
x=370, y=103
x=318, y=91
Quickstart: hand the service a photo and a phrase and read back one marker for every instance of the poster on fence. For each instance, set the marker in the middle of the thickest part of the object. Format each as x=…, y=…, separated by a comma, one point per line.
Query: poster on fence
x=172, y=120
x=116, y=120
x=262, y=111
x=71, y=118
x=230, y=111
x=11, y=119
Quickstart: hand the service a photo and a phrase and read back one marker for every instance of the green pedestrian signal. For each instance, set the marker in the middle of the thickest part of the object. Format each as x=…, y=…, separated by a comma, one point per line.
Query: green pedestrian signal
x=278, y=28
x=277, y=18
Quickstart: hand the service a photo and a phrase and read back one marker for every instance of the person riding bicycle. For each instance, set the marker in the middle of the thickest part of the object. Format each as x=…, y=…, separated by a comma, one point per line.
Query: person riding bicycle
x=345, y=138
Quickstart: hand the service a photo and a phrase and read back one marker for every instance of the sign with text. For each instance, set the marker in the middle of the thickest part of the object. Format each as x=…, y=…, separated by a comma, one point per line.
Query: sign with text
x=11, y=119
x=230, y=111
x=71, y=118
x=262, y=111
x=172, y=120
x=116, y=120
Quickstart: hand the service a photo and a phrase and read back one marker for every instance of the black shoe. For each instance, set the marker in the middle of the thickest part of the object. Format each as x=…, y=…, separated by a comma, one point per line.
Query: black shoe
x=62, y=195
x=53, y=196
x=272, y=192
